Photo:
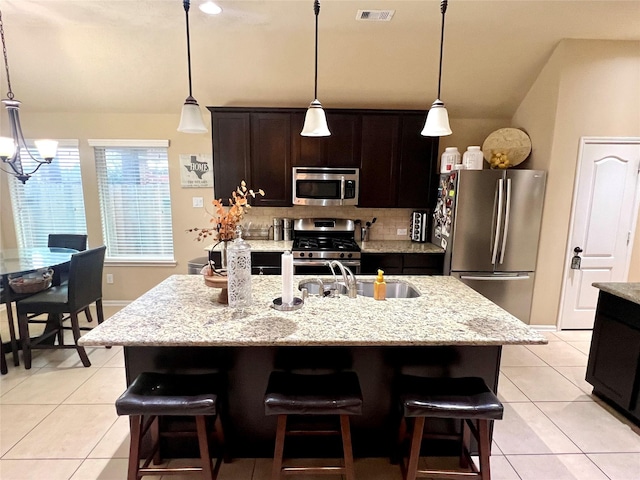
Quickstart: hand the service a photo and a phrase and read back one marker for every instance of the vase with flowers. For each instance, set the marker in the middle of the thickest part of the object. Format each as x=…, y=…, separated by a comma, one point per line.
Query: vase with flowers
x=226, y=219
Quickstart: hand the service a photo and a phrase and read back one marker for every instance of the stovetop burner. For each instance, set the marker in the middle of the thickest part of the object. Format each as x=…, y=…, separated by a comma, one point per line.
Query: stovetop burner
x=324, y=239
x=325, y=243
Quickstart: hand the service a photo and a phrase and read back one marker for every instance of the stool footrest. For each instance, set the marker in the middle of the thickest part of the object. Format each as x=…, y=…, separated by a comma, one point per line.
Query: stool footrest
x=313, y=470
x=443, y=474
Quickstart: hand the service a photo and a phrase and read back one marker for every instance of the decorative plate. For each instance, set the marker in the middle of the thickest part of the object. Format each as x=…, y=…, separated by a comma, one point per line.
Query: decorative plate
x=506, y=147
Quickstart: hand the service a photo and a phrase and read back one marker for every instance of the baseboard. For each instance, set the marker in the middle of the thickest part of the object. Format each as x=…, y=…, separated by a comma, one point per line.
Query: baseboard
x=116, y=303
x=545, y=328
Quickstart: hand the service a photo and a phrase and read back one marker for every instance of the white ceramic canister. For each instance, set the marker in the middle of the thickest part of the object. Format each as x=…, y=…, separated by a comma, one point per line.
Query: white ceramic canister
x=472, y=158
x=450, y=158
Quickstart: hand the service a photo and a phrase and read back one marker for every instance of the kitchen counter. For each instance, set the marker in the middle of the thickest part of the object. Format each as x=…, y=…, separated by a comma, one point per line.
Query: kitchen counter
x=627, y=290
x=182, y=311
x=371, y=246
x=398, y=246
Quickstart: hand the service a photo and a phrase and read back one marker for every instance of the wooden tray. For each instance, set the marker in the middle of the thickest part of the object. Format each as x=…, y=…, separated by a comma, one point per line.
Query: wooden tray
x=218, y=281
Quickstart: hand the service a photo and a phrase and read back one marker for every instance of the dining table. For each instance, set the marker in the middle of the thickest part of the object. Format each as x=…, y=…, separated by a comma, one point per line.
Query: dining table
x=20, y=261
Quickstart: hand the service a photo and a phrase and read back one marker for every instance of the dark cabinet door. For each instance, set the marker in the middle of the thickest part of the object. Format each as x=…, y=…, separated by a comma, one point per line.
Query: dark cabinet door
x=378, y=172
x=231, y=134
x=340, y=149
x=390, y=263
x=270, y=158
x=417, y=179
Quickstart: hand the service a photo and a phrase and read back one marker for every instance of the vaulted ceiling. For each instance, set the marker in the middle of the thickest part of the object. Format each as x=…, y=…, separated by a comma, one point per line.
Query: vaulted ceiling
x=130, y=55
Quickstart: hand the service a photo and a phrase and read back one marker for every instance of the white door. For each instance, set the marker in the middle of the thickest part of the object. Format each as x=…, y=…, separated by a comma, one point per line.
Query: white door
x=605, y=208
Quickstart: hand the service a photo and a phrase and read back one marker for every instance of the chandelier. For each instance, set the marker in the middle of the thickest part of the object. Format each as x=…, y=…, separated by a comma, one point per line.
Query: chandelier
x=10, y=148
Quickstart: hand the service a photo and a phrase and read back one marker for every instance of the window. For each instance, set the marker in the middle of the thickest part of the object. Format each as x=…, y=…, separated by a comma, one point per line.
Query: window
x=135, y=203
x=52, y=200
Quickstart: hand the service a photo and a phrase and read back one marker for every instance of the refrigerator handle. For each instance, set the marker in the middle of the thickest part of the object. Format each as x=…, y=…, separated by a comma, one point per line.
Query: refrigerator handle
x=507, y=216
x=494, y=234
x=495, y=278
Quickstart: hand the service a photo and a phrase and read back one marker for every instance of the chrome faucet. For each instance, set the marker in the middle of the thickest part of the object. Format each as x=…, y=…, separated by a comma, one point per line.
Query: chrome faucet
x=348, y=278
x=320, y=284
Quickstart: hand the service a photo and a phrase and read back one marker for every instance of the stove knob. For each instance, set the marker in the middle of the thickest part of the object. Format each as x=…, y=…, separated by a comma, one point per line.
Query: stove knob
x=310, y=254
x=350, y=255
x=302, y=254
x=342, y=255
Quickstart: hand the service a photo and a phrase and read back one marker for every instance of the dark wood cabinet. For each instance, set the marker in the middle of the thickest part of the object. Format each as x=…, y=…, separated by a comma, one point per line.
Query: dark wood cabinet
x=341, y=149
x=417, y=168
x=402, y=263
x=260, y=145
x=266, y=263
x=378, y=167
x=271, y=158
x=614, y=358
x=231, y=135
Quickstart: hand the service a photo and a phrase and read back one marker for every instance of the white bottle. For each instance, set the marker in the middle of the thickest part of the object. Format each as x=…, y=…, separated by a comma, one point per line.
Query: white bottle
x=472, y=158
x=239, y=272
x=450, y=158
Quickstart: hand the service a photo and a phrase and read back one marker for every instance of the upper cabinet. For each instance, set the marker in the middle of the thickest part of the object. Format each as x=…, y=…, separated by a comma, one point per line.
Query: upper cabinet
x=341, y=149
x=260, y=145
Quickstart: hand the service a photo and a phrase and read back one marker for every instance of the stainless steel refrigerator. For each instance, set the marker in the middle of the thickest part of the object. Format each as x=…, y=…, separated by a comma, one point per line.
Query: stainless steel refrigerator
x=488, y=222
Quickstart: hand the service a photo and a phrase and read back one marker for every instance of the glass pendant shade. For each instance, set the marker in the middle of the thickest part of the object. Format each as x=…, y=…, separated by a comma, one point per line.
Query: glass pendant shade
x=437, y=123
x=7, y=147
x=315, y=121
x=47, y=148
x=191, y=118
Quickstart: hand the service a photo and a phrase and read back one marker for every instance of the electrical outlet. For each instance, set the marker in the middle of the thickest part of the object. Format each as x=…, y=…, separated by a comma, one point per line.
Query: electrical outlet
x=198, y=202
x=402, y=232
x=109, y=277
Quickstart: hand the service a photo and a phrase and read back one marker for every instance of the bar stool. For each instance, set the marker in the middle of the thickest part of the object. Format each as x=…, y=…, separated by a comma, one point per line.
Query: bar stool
x=309, y=395
x=468, y=399
x=157, y=395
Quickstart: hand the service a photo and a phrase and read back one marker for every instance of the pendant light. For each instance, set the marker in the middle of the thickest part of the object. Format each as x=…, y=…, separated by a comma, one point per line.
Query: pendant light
x=191, y=118
x=315, y=121
x=437, y=123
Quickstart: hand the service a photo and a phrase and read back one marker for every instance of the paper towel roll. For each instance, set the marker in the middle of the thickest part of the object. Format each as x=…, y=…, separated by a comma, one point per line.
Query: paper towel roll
x=287, y=278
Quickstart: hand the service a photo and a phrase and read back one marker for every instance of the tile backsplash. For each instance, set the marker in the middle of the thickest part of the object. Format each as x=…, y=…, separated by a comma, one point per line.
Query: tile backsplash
x=389, y=220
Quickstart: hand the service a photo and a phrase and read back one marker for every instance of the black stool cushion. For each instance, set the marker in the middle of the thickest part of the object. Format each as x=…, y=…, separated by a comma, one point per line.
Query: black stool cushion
x=467, y=397
x=297, y=394
x=170, y=394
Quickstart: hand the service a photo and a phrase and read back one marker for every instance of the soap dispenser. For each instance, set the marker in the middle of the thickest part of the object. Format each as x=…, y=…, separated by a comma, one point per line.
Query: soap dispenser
x=380, y=287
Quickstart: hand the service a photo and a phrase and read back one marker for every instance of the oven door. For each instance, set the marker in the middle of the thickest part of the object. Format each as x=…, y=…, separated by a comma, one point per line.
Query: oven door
x=320, y=267
x=325, y=186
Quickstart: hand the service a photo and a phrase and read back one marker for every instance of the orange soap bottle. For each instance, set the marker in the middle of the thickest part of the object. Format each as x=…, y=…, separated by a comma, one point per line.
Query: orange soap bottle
x=379, y=287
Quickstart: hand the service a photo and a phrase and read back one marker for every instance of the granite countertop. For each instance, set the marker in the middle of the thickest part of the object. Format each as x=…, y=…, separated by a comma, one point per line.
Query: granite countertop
x=182, y=311
x=371, y=246
x=627, y=290
x=398, y=246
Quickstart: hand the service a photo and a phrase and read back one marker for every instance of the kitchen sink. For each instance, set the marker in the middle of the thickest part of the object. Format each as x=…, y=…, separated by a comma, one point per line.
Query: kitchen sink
x=395, y=289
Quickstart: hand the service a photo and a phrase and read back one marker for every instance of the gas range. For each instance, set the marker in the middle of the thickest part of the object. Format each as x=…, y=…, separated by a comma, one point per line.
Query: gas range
x=320, y=239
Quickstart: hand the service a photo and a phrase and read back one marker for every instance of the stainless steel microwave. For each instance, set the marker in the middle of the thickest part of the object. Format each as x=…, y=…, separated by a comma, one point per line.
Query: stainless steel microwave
x=325, y=186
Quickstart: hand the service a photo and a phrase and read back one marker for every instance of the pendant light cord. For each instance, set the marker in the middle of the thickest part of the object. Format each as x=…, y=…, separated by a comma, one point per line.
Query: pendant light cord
x=6, y=62
x=443, y=9
x=316, y=10
x=186, y=14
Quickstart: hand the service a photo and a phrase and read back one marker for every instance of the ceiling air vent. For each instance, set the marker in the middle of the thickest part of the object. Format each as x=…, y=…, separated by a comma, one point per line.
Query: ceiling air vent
x=375, y=15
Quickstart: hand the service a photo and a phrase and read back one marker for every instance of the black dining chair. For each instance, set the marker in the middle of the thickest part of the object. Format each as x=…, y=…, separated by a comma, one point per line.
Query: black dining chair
x=65, y=240
x=83, y=289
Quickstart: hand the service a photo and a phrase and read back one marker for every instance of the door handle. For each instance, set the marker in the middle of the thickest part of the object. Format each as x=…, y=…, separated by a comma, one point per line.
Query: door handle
x=576, y=259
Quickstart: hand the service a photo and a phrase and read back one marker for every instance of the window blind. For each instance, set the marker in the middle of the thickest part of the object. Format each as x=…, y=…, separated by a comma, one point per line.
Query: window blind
x=135, y=202
x=52, y=200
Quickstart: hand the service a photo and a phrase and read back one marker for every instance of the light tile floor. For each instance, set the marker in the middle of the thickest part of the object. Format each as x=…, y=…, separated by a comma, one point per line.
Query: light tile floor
x=58, y=421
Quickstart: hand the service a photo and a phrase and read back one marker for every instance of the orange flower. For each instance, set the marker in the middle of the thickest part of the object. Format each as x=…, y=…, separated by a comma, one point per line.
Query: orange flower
x=225, y=221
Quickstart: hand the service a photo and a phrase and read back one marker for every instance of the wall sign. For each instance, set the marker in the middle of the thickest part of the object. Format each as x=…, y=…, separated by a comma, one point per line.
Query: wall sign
x=196, y=170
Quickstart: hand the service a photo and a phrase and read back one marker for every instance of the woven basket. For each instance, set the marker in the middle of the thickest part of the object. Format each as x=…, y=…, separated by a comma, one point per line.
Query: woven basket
x=27, y=284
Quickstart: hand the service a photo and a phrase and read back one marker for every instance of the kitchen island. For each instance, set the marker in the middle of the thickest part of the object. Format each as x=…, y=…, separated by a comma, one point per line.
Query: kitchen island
x=450, y=330
x=614, y=356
